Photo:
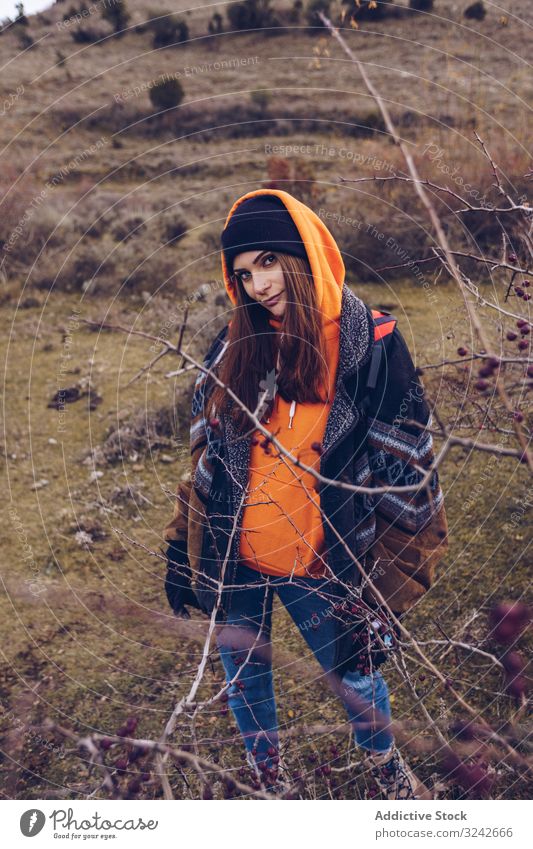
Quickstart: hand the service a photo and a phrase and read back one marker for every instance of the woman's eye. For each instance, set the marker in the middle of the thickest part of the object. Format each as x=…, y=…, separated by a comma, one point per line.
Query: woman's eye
x=269, y=257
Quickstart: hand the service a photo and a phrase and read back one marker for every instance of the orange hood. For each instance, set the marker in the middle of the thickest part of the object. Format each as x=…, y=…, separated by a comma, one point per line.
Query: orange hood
x=323, y=252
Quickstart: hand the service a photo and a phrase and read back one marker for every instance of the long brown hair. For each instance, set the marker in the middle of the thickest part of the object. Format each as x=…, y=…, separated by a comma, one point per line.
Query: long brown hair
x=253, y=346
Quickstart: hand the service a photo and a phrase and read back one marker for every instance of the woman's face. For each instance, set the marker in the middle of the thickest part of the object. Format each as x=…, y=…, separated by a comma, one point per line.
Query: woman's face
x=263, y=280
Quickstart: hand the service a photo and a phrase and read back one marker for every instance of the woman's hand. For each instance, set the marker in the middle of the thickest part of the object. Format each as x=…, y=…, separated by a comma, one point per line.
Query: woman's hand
x=178, y=580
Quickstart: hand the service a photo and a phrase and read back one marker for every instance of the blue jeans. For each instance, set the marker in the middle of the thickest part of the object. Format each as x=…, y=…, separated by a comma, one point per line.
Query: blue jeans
x=246, y=651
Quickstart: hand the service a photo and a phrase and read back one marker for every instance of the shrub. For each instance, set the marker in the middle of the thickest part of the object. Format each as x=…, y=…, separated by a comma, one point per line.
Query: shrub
x=25, y=40
x=476, y=11
x=174, y=228
x=261, y=99
x=144, y=433
x=215, y=24
x=168, y=29
x=251, y=14
x=128, y=227
x=86, y=35
x=117, y=15
x=296, y=176
x=21, y=17
x=72, y=12
x=295, y=12
x=369, y=10
x=17, y=191
x=167, y=94
x=314, y=7
x=421, y=5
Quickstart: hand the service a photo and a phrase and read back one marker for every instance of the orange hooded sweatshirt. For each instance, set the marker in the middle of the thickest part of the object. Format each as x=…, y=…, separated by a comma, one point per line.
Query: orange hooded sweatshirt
x=282, y=530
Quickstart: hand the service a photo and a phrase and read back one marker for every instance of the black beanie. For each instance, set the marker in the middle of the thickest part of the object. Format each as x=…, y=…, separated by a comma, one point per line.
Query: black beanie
x=261, y=222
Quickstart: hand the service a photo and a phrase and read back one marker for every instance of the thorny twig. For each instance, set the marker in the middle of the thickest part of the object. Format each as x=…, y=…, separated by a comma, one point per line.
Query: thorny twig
x=442, y=239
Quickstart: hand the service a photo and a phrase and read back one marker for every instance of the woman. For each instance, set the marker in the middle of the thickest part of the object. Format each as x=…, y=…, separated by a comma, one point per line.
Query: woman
x=300, y=353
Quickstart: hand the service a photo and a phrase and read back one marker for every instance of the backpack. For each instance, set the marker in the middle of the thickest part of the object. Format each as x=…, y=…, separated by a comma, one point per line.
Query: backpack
x=401, y=564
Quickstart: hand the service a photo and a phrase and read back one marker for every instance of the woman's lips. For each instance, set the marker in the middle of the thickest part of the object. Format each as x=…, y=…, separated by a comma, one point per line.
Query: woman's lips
x=272, y=301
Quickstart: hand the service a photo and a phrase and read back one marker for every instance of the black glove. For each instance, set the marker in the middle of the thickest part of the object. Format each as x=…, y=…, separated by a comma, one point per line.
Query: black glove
x=178, y=581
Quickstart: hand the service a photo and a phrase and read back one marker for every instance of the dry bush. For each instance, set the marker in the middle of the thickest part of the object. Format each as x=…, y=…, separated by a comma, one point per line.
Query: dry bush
x=388, y=225
x=101, y=243
x=144, y=432
x=17, y=191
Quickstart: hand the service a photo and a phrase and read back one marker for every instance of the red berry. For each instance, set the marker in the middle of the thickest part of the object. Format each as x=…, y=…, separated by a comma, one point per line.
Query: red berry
x=518, y=291
x=485, y=371
x=508, y=620
x=470, y=776
x=466, y=729
x=131, y=724
x=518, y=416
x=136, y=753
x=133, y=787
x=271, y=751
x=521, y=322
x=214, y=422
x=462, y=352
x=517, y=687
x=512, y=257
x=513, y=662
x=511, y=335
x=317, y=446
x=530, y=371
x=106, y=743
x=481, y=385
x=525, y=331
x=523, y=345
x=527, y=297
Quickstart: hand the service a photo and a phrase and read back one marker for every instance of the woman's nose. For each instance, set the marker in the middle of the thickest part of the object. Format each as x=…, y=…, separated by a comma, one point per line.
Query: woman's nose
x=261, y=284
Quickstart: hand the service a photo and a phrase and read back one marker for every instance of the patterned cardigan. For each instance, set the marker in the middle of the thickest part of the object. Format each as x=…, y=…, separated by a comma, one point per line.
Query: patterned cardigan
x=368, y=442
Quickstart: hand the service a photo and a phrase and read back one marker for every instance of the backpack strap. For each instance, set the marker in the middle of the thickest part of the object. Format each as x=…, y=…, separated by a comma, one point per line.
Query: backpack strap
x=384, y=324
